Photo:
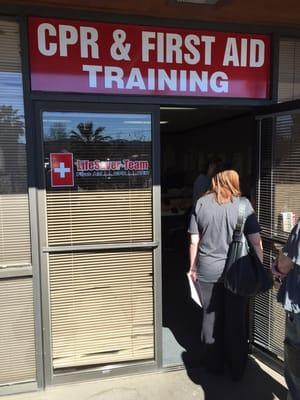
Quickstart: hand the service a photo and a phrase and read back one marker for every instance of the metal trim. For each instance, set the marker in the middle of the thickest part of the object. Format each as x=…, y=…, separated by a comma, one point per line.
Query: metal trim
x=42, y=239
x=274, y=77
x=278, y=113
x=16, y=388
x=33, y=207
x=101, y=373
x=259, y=170
x=272, y=197
x=157, y=236
x=275, y=363
x=182, y=101
x=45, y=287
x=278, y=108
x=80, y=103
x=103, y=247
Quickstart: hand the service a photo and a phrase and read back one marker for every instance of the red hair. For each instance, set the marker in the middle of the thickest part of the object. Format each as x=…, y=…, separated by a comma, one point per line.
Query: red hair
x=225, y=186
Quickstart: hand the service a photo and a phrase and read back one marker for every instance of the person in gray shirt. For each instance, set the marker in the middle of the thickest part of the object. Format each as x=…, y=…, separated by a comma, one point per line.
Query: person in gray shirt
x=287, y=270
x=224, y=325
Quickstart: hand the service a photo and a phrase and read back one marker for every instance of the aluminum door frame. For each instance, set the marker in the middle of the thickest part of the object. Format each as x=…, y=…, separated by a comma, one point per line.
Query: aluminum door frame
x=264, y=113
x=50, y=377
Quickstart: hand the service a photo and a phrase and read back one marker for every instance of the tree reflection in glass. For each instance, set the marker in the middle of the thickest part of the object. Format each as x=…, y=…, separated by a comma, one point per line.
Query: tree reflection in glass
x=100, y=137
x=86, y=133
x=13, y=173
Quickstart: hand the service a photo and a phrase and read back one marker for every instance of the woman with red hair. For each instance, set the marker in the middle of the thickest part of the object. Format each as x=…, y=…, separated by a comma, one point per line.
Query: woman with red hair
x=224, y=332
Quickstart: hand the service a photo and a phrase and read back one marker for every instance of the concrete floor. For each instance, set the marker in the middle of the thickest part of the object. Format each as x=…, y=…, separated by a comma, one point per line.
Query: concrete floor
x=260, y=383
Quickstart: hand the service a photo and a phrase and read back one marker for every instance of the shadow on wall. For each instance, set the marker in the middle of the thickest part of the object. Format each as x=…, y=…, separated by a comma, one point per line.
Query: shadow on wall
x=256, y=385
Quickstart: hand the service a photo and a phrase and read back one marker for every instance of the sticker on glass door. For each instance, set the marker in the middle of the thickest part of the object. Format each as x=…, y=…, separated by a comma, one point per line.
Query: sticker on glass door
x=62, y=169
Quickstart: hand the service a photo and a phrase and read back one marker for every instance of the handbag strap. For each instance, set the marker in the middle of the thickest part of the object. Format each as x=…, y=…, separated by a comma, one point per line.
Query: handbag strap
x=242, y=215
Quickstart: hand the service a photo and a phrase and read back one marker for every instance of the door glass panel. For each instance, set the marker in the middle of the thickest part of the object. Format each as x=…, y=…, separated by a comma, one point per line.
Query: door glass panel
x=98, y=171
x=279, y=209
x=286, y=173
x=111, y=200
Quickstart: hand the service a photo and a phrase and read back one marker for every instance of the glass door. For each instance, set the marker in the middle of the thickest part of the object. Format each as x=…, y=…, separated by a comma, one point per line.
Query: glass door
x=278, y=209
x=99, y=244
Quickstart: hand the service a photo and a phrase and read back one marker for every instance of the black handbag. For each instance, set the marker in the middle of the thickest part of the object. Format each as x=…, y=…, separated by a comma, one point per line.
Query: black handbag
x=244, y=274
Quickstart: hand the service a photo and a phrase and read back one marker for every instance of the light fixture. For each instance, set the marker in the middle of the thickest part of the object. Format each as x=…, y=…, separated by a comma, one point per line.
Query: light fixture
x=198, y=1
x=141, y=122
x=179, y=108
x=164, y=122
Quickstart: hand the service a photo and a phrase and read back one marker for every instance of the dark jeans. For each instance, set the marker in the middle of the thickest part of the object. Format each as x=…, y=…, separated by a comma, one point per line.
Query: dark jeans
x=224, y=328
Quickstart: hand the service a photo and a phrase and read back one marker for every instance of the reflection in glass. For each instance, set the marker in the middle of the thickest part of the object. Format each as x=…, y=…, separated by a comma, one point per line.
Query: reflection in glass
x=17, y=348
x=87, y=134
x=110, y=151
x=101, y=301
x=13, y=167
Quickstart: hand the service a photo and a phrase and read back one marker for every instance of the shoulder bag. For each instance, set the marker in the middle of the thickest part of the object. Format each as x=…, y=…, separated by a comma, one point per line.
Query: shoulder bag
x=244, y=274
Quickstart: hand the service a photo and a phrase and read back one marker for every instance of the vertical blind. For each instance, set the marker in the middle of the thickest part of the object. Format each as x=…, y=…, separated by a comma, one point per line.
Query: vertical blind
x=17, y=352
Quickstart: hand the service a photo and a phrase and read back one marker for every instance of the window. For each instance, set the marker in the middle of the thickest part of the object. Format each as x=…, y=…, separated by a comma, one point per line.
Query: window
x=17, y=346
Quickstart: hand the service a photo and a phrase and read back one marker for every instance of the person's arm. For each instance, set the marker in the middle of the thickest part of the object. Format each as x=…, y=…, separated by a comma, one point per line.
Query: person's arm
x=255, y=240
x=252, y=231
x=193, y=250
x=280, y=268
x=284, y=264
x=290, y=253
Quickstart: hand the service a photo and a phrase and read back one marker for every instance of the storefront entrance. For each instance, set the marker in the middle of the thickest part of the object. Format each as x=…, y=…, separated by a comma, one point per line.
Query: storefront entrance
x=99, y=238
x=265, y=151
x=105, y=220
x=189, y=138
x=94, y=256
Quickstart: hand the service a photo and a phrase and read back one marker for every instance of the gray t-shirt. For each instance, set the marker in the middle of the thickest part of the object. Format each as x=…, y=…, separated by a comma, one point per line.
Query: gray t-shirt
x=289, y=293
x=215, y=224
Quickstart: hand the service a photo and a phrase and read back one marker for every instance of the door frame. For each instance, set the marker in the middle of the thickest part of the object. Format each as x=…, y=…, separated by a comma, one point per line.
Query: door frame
x=131, y=367
x=266, y=112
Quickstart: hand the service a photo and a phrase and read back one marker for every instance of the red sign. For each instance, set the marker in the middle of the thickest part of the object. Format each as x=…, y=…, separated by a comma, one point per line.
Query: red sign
x=62, y=169
x=93, y=57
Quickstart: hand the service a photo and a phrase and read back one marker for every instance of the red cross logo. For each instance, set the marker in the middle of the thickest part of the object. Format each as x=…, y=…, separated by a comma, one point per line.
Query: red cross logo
x=62, y=171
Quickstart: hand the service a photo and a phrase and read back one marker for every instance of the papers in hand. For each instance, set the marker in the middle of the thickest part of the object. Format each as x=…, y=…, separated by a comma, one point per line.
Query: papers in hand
x=193, y=291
